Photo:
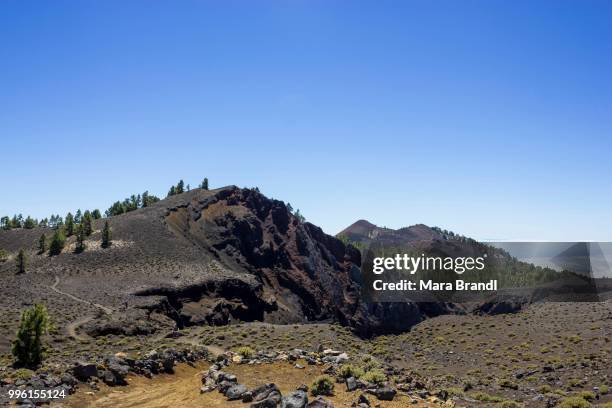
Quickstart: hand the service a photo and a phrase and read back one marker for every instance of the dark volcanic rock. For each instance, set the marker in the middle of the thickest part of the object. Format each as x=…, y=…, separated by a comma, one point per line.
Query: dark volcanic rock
x=235, y=392
x=384, y=393
x=320, y=402
x=84, y=371
x=266, y=391
x=266, y=403
x=297, y=399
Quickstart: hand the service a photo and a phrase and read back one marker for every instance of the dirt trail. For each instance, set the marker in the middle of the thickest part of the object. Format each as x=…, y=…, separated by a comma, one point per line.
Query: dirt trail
x=53, y=287
x=182, y=389
x=71, y=328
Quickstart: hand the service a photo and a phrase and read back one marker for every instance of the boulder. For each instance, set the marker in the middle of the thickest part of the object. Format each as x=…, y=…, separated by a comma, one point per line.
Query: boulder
x=247, y=397
x=267, y=391
x=351, y=384
x=297, y=399
x=119, y=370
x=84, y=371
x=383, y=393
x=235, y=392
x=363, y=400
x=266, y=403
x=320, y=402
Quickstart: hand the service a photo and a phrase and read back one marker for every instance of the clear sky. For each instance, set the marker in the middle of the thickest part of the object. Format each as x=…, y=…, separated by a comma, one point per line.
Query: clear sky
x=489, y=118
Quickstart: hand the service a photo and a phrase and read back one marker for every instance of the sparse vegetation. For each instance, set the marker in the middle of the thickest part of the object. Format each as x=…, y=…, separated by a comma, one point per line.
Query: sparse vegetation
x=574, y=402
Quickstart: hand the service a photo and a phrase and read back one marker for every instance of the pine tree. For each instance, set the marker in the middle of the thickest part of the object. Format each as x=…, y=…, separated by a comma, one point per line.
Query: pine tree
x=5, y=223
x=69, y=224
x=27, y=347
x=204, y=185
x=172, y=191
x=30, y=223
x=289, y=208
x=22, y=260
x=78, y=217
x=299, y=216
x=42, y=244
x=106, y=235
x=57, y=242
x=180, y=187
x=87, y=223
x=80, y=239
x=96, y=214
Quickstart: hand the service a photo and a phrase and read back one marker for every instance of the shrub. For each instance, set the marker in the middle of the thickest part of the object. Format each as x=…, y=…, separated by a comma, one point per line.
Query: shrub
x=23, y=374
x=246, y=352
x=455, y=392
x=505, y=383
x=3, y=255
x=322, y=385
x=545, y=389
x=369, y=363
x=574, y=402
x=27, y=347
x=604, y=389
x=588, y=395
x=484, y=397
x=349, y=370
x=375, y=376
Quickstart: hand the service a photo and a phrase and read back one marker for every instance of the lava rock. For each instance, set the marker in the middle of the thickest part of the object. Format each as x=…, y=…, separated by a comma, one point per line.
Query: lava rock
x=84, y=371
x=266, y=403
x=267, y=391
x=351, y=384
x=320, y=402
x=384, y=393
x=297, y=399
x=235, y=392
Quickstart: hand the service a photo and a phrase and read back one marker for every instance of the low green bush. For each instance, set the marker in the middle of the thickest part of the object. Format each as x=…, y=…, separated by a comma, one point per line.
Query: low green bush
x=322, y=385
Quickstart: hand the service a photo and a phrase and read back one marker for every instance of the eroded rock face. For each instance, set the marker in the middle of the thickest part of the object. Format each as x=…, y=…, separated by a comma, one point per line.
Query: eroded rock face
x=268, y=265
x=264, y=257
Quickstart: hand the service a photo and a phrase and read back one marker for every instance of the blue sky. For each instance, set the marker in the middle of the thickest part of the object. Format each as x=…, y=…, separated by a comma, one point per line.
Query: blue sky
x=490, y=118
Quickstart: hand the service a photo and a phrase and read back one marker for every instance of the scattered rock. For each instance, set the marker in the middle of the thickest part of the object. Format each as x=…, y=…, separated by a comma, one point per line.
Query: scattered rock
x=84, y=371
x=266, y=403
x=383, y=393
x=363, y=400
x=320, y=402
x=297, y=399
x=351, y=384
x=235, y=392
